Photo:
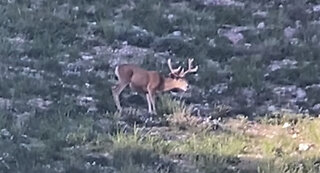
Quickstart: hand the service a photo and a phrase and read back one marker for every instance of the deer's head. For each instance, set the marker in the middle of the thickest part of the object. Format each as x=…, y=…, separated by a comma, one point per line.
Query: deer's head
x=178, y=74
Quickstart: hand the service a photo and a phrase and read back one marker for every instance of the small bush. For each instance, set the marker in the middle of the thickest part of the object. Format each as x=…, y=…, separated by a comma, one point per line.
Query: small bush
x=247, y=72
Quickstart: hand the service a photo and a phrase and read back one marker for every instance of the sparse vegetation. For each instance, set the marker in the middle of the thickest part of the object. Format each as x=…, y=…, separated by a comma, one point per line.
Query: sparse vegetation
x=256, y=58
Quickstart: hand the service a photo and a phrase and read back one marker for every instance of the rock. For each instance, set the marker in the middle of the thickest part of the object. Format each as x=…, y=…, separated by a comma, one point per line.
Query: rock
x=39, y=103
x=177, y=33
x=234, y=37
x=5, y=104
x=213, y=64
x=18, y=42
x=316, y=108
x=86, y=101
x=290, y=94
x=286, y=125
x=128, y=54
x=316, y=8
x=222, y=3
x=304, y=146
x=212, y=42
x=201, y=110
x=261, y=25
x=313, y=96
x=5, y=133
x=260, y=13
x=137, y=36
x=85, y=56
x=272, y=108
x=285, y=63
x=219, y=88
x=92, y=109
x=301, y=94
x=171, y=17
x=289, y=32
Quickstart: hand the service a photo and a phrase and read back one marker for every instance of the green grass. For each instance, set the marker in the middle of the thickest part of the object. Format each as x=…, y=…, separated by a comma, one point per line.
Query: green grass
x=220, y=145
x=54, y=34
x=168, y=105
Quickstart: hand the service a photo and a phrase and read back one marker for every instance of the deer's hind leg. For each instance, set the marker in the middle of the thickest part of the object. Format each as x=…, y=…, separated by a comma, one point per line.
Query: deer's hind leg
x=116, y=91
x=118, y=88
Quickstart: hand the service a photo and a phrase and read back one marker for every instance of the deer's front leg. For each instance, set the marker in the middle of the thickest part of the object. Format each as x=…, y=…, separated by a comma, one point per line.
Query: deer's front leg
x=149, y=103
x=153, y=102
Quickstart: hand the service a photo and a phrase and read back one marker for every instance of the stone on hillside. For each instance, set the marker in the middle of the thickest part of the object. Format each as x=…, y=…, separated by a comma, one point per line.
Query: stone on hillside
x=261, y=25
x=314, y=97
x=289, y=32
x=222, y=3
x=233, y=36
x=316, y=8
x=128, y=54
x=5, y=103
x=177, y=33
x=137, y=36
x=39, y=103
x=316, y=108
x=5, y=133
x=304, y=146
x=219, y=88
x=286, y=125
x=289, y=98
x=285, y=63
x=86, y=56
x=300, y=94
x=260, y=13
x=87, y=102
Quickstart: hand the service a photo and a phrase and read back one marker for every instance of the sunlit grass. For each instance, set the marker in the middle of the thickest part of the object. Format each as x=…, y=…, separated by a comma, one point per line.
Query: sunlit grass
x=310, y=130
x=221, y=145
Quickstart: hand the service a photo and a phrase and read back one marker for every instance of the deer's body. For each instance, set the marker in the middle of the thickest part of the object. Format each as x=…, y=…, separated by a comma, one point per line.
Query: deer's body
x=147, y=82
x=138, y=79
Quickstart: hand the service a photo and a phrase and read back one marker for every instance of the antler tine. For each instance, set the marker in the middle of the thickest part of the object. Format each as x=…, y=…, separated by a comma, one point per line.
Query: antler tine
x=190, y=69
x=173, y=71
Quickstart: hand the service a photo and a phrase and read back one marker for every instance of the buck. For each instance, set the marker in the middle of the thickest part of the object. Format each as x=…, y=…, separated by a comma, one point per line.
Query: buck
x=149, y=82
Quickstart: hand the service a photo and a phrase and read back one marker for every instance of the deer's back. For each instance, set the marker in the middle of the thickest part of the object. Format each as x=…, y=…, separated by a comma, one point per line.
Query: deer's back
x=138, y=77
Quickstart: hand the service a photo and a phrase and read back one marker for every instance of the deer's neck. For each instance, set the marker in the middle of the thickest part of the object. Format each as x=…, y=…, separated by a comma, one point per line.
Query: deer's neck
x=168, y=84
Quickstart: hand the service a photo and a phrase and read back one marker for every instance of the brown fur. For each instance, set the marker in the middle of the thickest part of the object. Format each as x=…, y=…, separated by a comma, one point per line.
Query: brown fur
x=144, y=81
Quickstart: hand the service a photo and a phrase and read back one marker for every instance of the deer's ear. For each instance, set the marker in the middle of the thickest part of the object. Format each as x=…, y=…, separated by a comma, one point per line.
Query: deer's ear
x=172, y=75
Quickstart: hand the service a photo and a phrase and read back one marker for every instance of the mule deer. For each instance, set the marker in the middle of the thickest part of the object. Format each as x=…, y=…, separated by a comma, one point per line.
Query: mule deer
x=149, y=82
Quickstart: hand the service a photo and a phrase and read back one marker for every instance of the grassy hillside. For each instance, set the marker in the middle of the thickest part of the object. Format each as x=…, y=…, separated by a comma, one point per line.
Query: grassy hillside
x=258, y=71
